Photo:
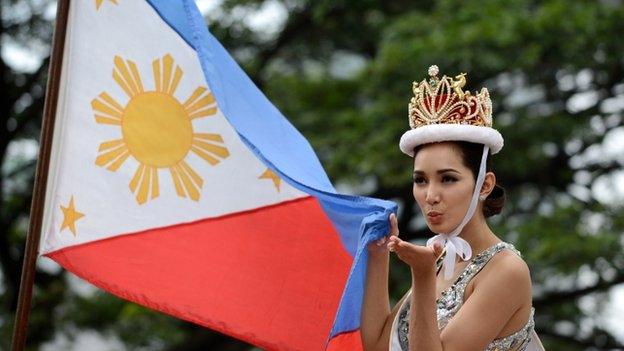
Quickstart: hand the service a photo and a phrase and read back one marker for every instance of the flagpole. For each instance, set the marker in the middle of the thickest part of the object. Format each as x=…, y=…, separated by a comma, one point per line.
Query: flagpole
x=41, y=176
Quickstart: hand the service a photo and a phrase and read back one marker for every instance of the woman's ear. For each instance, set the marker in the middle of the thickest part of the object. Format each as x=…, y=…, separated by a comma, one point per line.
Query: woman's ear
x=488, y=185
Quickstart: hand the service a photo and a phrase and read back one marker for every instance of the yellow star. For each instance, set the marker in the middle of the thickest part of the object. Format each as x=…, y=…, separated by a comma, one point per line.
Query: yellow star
x=268, y=174
x=98, y=3
x=70, y=216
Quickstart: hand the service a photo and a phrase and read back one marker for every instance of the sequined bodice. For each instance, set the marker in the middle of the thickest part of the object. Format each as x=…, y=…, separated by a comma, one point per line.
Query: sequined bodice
x=452, y=299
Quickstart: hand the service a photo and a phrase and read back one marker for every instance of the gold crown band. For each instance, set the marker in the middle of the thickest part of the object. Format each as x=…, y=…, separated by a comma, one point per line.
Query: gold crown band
x=442, y=101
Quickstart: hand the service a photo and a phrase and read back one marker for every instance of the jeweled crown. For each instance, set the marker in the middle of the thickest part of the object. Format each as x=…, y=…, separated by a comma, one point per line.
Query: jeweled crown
x=442, y=101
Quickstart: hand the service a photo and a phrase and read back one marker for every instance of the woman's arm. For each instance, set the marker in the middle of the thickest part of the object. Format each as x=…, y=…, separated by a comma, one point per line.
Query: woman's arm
x=373, y=324
x=423, y=325
x=375, y=307
x=376, y=318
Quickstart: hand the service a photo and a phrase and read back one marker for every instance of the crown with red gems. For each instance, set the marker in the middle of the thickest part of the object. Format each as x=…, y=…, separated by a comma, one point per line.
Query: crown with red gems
x=442, y=100
x=442, y=111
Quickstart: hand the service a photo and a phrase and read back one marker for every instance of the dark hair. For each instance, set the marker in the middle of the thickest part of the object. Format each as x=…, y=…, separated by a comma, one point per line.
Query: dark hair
x=471, y=156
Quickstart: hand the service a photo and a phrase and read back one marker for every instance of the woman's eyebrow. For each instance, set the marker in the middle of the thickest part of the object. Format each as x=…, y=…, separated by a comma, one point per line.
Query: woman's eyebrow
x=440, y=171
x=448, y=170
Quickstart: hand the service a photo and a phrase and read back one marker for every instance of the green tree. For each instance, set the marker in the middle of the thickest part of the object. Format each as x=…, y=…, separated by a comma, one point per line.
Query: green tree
x=342, y=72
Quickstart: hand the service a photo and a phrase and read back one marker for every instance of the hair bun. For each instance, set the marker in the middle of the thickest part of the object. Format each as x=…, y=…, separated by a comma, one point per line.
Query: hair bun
x=495, y=202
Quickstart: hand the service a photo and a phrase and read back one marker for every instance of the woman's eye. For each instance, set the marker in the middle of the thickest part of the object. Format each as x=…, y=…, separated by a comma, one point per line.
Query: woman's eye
x=419, y=180
x=447, y=178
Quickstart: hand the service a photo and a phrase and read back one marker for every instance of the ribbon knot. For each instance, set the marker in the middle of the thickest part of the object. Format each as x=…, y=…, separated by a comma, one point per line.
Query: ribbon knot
x=454, y=246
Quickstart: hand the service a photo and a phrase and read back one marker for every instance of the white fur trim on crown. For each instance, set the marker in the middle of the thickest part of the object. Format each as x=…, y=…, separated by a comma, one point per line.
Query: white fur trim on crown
x=450, y=132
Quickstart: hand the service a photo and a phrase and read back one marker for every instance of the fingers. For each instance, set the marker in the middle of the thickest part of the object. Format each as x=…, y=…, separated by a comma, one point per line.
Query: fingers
x=437, y=249
x=394, y=225
x=393, y=243
x=381, y=241
x=394, y=231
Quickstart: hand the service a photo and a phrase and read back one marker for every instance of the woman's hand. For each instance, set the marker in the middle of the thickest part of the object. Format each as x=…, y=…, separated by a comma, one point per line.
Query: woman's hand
x=422, y=259
x=380, y=246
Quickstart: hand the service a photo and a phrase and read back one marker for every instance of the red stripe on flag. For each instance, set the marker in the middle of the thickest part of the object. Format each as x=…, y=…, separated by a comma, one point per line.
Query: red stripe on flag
x=351, y=341
x=272, y=277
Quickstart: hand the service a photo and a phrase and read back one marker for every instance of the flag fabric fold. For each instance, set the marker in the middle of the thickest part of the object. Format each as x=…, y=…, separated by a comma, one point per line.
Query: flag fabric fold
x=176, y=184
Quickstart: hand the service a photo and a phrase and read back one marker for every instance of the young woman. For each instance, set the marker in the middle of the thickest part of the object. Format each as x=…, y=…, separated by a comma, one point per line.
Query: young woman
x=482, y=299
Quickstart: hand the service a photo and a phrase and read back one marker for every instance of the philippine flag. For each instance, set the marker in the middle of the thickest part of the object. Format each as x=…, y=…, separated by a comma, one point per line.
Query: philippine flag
x=174, y=183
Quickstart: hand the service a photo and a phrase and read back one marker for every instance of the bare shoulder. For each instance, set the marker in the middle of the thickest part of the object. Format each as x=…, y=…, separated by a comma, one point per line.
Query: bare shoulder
x=507, y=273
x=509, y=261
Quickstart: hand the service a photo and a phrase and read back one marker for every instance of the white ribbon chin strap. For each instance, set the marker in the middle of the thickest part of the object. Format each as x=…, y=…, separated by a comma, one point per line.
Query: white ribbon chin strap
x=452, y=242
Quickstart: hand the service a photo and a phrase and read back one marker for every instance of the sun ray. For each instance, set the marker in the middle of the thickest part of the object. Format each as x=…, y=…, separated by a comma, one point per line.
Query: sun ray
x=203, y=113
x=156, y=73
x=208, y=137
x=191, y=172
x=155, y=187
x=190, y=188
x=163, y=70
x=176, y=80
x=122, y=84
x=125, y=80
x=145, y=183
x=199, y=152
x=167, y=61
x=201, y=103
x=107, y=120
x=136, y=76
x=108, y=111
x=200, y=106
x=177, y=182
x=112, y=102
x=214, y=149
x=194, y=96
x=187, y=183
x=205, y=146
x=112, y=153
x=138, y=174
x=119, y=161
x=124, y=69
x=111, y=144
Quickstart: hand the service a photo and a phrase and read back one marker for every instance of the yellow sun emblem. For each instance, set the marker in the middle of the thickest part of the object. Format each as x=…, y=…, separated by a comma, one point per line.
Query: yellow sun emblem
x=157, y=129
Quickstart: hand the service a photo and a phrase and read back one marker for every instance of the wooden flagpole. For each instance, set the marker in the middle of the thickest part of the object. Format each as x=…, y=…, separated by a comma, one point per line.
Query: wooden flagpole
x=39, y=190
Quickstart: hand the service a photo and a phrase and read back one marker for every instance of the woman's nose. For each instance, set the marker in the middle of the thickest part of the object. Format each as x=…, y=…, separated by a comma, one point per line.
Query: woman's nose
x=433, y=195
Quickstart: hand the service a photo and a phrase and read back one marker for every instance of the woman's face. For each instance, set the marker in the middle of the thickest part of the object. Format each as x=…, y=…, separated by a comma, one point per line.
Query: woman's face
x=443, y=186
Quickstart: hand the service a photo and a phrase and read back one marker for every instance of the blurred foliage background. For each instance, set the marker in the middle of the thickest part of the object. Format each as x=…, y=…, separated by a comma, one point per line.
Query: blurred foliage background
x=342, y=71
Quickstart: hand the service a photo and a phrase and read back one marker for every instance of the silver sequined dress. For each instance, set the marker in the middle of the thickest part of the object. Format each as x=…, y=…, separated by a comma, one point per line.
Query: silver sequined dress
x=451, y=301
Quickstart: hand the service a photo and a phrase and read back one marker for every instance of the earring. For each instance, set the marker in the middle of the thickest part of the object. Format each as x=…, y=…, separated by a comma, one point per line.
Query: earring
x=482, y=197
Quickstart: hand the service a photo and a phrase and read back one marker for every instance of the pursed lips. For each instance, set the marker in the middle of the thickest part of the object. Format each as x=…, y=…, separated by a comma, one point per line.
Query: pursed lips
x=434, y=217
